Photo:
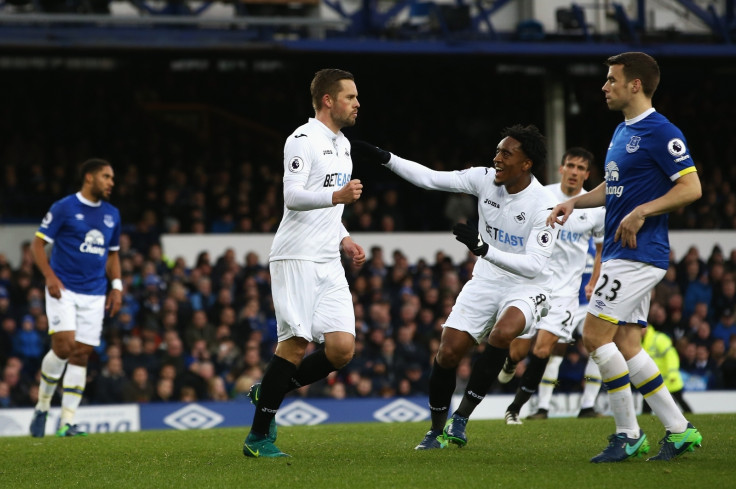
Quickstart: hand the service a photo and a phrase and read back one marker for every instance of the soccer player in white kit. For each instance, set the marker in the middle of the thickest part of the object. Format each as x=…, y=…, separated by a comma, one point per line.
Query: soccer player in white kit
x=511, y=281
x=591, y=375
x=567, y=265
x=85, y=231
x=310, y=291
x=649, y=173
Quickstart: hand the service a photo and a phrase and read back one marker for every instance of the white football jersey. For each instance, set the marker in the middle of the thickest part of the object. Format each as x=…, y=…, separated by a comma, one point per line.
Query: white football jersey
x=569, y=257
x=514, y=223
x=511, y=223
x=318, y=160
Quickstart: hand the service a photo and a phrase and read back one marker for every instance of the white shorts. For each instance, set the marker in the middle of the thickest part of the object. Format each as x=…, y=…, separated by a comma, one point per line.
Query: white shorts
x=560, y=321
x=80, y=313
x=580, y=318
x=311, y=299
x=482, y=301
x=623, y=291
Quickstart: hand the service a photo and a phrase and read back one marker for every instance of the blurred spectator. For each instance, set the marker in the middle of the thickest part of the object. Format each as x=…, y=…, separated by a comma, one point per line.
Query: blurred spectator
x=135, y=357
x=111, y=382
x=199, y=328
x=188, y=394
x=700, y=372
x=698, y=291
x=572, y=371
x=173, y=353
x=138, y=388
x=19, y=390
x=164, y=390
x=725, y=328
x=689, y=268
x=724, y=297
x=668, y=287
x=28, y=345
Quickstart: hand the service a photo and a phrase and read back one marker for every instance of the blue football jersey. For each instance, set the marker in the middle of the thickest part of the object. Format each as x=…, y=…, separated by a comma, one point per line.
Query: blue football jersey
x=646, y=155
x=82, y=233
x=587, y=272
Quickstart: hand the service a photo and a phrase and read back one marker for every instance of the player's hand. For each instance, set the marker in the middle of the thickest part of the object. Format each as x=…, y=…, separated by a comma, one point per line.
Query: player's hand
x=589, y=290
x=627, y=229
x=349, y=193
x=560, y=213
x=470, y=237
x=364, y=152
x=54, y=285
x=354, y=251
x=114, y=301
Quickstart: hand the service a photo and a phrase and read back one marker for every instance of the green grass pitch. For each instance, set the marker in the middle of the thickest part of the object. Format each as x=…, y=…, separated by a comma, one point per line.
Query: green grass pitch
x=538, y=454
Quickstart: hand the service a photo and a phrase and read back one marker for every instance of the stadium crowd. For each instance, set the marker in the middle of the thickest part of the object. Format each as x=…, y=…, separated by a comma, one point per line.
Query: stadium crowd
x=205, y=332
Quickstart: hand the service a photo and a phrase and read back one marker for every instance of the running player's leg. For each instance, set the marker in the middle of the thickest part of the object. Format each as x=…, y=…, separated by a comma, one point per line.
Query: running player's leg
x=518, y=311
x=467, y=324
x=543, y=346
x=518, y=350
x=89, y=314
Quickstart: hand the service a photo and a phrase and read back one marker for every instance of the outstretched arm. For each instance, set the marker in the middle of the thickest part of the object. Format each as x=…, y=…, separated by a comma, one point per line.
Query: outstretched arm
x=594, y=198
x=421, y=176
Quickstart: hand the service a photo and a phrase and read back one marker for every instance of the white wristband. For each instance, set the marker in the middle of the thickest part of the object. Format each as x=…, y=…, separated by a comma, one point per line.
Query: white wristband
x=117, y=284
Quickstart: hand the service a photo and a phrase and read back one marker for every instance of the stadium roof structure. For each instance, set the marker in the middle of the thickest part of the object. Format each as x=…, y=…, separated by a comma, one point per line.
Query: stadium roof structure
x=463, y=27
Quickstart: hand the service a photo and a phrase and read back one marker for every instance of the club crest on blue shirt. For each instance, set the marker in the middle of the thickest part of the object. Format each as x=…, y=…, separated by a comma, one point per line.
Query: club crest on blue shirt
x=633, y=144
x=108, y=220
x=296, y=164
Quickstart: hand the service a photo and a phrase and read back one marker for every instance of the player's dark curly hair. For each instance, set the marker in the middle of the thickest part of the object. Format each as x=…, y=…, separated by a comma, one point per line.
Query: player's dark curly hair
x=93, y=165
x=532, y=141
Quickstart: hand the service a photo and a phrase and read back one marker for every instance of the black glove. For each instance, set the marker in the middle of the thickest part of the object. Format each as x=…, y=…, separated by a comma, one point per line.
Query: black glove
x=470, y=237
x=362, y=151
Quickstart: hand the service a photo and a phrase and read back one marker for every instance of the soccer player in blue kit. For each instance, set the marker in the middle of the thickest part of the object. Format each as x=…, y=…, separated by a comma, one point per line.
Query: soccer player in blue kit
x=648, y=173
x=85, y=231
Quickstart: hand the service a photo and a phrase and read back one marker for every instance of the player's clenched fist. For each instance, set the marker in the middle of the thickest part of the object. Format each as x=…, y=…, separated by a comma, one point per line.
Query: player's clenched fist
x=349, y=193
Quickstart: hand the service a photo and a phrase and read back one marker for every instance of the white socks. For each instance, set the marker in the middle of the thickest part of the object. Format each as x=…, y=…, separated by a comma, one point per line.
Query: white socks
x=592, y=385
x=52, y=367
x=75, y=379
x=549, y=379
x=615, y=374
x=648, y=380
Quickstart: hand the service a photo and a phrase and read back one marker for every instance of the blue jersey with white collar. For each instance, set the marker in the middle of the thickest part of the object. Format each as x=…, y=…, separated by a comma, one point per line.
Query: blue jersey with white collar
x=646, y=155
x=82, y=233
